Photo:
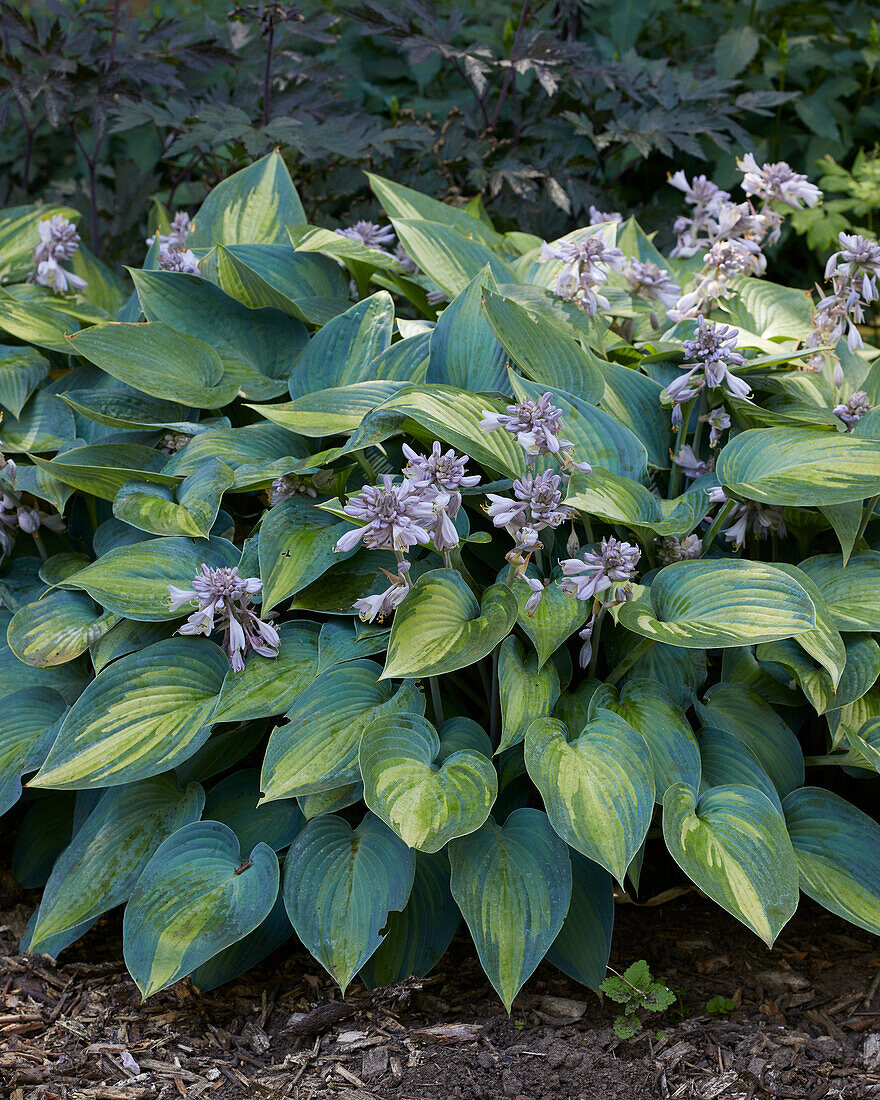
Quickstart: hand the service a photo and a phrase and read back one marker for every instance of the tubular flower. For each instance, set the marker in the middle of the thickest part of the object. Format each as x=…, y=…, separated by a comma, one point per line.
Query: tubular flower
x=223, y=597
x=395, y=517
x=713, y=349
x=369, y=234
x=777, y=183
x=853, y=272
x=439, y=472
x=718, y=421
x=853, y=411
x=378, y=607
x=757, y=519
x=652, y=282
x=585, y=267
x=537, y=426
x=537, y=503
x=181, y=227
x=59, y=240
x=178, y=259
x=691, y=466
x=289, y=485
x=592, y=574
x=673, y=549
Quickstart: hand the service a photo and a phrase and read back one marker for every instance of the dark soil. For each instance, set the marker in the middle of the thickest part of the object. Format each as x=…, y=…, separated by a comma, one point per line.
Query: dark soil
x=806, y=1025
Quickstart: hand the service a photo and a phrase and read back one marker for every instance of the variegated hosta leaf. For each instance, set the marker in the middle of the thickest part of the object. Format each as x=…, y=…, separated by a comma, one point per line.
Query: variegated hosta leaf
x=598, y=789
x=463, y=348
x=726, y=760
x=681, y=671
x=340, y=642
x=424, y=804
x=526, y=691
x=852, y=593
x=859, y=674
x=143, y=715
x=824, y=644
x=337, y=410
x=513, y=887
x=440, y=627
x=713, y=603
x=742, y=713
x=101, y=866
x=29, y=724
x=650, y=708
x=838, y=854
x=196, y=896
x=340, y=887
x=557, y=618
x=416, y=938
x=734, y=846
x=317, y=749
x=153, y=508
x=329, y=802
x=234, y=802
x=273, y=932
x=800, y=466
x=583, y=946
x=622, y=500
x=57, y=628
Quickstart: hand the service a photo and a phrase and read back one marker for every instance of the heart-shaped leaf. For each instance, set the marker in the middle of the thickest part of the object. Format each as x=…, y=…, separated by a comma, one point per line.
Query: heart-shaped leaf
x=598, y=789
x=253, y=205
x=712, y=603
x=234, y=802
x=513, y=887
x=28, y=726
x=726, y=760
x=340, y=887
x=838, y=854
x=425, y=804
x=734, y=845
x=195, y=897
x=101, y=866
x=317, y=749
x=583, y=946
x=57, y=628
x=239, y=957
x=859, y=674
x=558, y=616
x=440, y=627
x=526, y=691
x=143, y=715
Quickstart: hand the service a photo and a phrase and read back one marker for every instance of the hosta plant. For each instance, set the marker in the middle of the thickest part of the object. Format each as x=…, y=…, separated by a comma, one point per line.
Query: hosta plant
x=359, y=582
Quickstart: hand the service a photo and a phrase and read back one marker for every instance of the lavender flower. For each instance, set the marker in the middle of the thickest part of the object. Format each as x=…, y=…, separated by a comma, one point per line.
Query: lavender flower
x=853, y=411
x=537, y=503
x=758, y=519
x=587, y=577
x=438, y=472
x=178, y=259
x=223, y=597
x=59, y=239
x=50, y=273
x=586, y=636
x=378, y=607
x=706, y=198
x=597, y=217
x=17, y=516
x=691, y=466
x=289, y=485
x=777, y=183
x=172, y=442
x=853, y=271
x=585, y=267
x=181, y=227
x=718, y=421
x=369, y=234
x=538, y=588
x=652, y=282
x=395, y=517
x=673, y=549
x=713, y=349
x=537, y=426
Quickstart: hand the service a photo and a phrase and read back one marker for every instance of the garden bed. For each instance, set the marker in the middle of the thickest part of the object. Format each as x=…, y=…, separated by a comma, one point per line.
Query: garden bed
x=807, y=1025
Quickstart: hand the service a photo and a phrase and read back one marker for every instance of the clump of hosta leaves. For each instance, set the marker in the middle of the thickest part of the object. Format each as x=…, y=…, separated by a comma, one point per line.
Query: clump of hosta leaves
x=360, y=583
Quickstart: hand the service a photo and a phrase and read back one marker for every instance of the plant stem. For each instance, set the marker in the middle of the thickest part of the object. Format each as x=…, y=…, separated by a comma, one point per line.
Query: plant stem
x=628, y=661
x=494, y=708
x=597, y=633
x=675, y=477
x=436, y=700
x=39, y=545
x=267, y=73
x=866, y=519
x=364, y=464
x=715, y=525
x=111, y=56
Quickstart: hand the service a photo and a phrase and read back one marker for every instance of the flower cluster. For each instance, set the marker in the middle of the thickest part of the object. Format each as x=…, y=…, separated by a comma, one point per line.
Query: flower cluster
x=777, y=183
x=759, y=520
x=537, y=503
x=598, y=217
x=585, y=266
x=853, y=411
x=652, y=282
x=223, y=599
x=537, y=426
x=18, y=517
x=172, y=442
x=59, y=240
x=176, y=237
x=706, y=200
x=369, y=234
x=713, y=355
x=680, y=549
x=853, y=271
x=173, y=253
x=291, y=485
x=603, y=578
x=178, y=259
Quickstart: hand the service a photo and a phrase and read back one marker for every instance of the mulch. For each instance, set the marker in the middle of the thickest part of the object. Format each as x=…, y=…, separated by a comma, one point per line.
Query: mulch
x=806, y=1023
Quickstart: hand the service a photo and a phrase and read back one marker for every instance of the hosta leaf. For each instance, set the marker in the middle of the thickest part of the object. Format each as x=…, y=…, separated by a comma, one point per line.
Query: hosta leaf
x=159, y=361
x=838, y=854
x=68, y=680
x=416, y=938
x=634, y=400
x=733, y=844
x=41, y=837
x=127, y=636
x=329, y=802
x=526, y=691
x=133, y=580
x=27, y=729
x=340, y=887
x=598, y=438
x=800, y=466
x=846, y=520
x=852, y=593
x=726, y=760
x=269, y=687
x=57, y=628
x=306, y=286
x=720, y=602
x=463, y=348
x=196, y=896
x=223, y=750
x=297, y=545
x=153, y=509
x=253, y=205
x=651, y=709
x=317, y=749
x=513, y=886
x=340, y=642
x=681, y=671
x=143, y=715
x=103, y=468
x=447, y=257
x=859, y=674
x=273, y=932
x=440, y=627
x=44, y=424
x=740, y=711
x=598, y=789
x=255, y=444
x=621, y=500
x=101, y=866
x=583, y=946
x=404, y=202
x=557, y=618
x=234, y=802
x=425, y=804
x=540, y=350
x=824, y=644
x=35, y=323
x=332, y=411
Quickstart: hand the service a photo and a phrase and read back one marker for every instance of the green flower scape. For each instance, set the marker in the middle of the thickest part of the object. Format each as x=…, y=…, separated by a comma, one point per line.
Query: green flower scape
x=357, y=583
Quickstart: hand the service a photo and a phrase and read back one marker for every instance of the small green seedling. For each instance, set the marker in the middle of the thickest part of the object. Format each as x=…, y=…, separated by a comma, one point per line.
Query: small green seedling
x=720, y=1006
x=636, y=989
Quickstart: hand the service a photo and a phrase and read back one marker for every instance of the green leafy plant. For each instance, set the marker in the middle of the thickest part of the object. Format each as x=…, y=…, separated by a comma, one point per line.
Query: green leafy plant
x=858, y=189
x=637, y=990
x=720, y=1006
x=353, y=590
